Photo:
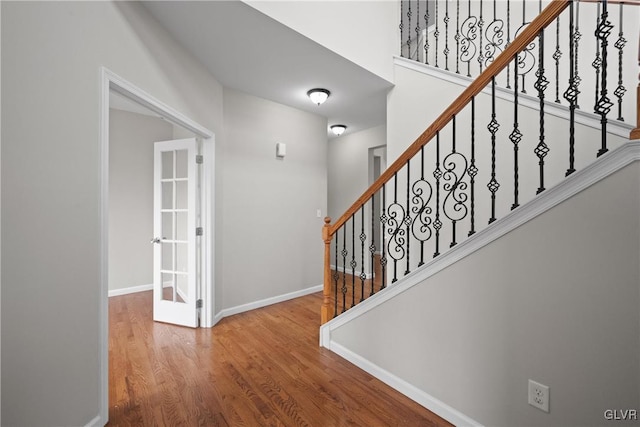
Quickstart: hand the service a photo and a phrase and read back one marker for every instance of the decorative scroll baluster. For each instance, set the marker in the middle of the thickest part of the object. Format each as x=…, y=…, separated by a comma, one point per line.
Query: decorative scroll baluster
x=493, y=126
x=363, y=238
x=457, y=37
x=541, y=84
x=526, y=59
x=426, y=35
x=571, y=94
x=557, y=54
x=395, y=220
x=446, y=35
x=407, y=217
x=436, y=33
x=455, y=166
x=372, y=246
x=597, y=63
x=494, y=35
x=421, y=224
x=467, y=43
x=576, y=39
x=353, y=263
x=480, y=26
x=383, y=221
x=437, y=174
x=604, y=104
x=515, y=137
x=620, y=43
x=473, y=170
x=344, y=268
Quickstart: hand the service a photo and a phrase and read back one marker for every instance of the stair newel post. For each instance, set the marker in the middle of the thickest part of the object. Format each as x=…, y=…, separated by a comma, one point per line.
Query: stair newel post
x=325, y=313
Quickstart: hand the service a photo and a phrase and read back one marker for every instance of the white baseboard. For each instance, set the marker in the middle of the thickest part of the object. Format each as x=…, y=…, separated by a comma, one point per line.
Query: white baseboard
x=431, y=403
x=130, y=290
x=265, y=302
x=96, y=422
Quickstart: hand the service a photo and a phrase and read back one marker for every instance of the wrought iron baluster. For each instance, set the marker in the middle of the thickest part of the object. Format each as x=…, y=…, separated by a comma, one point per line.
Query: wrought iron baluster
x=494, y=35
x=493, y=127
x=480, y=26
x=473, y=170
x=571, y=94
x=620, y=43
x=426, y=35
x=557, y=54
x=353, y=263
x=576, y=39
x=363, y=238
x=457, y=37
x=446, y=35
x=436, y=34
x=336, y=278
x=372, y=246
x=515, y=137
x=467, y=43
x=418, y=31
x=397, y=234
x=407, y=217
x=437, y=174
x=541, y=84
x=455, y=166
x=344, y=268
x=401, y=26
x=383, y=221
x=508, y=40
x=597, y=62
x=604, y=104
x=409, y=30
x=421, y=196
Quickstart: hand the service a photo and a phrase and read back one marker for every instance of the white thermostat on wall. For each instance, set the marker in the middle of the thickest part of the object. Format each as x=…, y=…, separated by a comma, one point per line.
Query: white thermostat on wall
x=281, y=149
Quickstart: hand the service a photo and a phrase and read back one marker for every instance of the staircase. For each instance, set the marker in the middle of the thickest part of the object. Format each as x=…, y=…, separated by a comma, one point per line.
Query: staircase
x=517, y=171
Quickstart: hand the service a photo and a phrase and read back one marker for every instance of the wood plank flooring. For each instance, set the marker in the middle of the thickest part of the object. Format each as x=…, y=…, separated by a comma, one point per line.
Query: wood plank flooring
x=259, y=368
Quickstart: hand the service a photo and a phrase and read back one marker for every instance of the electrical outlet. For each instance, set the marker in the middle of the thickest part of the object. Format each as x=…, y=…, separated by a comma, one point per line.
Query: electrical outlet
x=539, y=396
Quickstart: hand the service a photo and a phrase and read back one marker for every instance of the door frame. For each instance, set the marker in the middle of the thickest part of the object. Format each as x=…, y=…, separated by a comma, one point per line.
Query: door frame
x=111, y=81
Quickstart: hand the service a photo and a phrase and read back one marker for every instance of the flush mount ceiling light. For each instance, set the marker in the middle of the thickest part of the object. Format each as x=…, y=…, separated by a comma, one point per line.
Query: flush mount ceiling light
x=338, y=129
x=318, y=96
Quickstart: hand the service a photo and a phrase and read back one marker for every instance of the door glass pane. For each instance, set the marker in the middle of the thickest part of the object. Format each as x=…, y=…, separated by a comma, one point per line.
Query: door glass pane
x=182, y=288
x=181, y=257
x=167, y=256
x=167, y=195
x=167, y=164
x=181, y=195
x=181, y=226
x=167, y=286
x=167, y=226
x=181, y=163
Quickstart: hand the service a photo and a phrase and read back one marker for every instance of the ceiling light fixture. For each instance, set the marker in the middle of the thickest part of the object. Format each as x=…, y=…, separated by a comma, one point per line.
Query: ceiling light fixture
x=318, y=95
x=338, y=129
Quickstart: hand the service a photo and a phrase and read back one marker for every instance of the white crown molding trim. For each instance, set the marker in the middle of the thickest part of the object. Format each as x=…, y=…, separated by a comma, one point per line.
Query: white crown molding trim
x=582, y=117
x=570, y=186
x=265, y=302
x=348, y=271
x=130, y=290
x=436, y=406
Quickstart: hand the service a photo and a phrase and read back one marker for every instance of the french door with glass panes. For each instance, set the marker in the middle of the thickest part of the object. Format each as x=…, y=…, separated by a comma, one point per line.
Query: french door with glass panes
x=174, y=224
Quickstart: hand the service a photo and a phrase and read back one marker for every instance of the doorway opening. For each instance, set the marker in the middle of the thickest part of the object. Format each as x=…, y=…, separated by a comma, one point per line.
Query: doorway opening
x=132, y=103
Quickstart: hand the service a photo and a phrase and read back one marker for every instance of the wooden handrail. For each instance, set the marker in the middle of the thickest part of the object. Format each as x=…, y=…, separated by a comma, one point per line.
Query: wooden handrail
x=546, y=17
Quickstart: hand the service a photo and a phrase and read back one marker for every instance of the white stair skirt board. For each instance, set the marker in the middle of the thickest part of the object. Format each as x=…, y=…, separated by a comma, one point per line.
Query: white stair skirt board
x=130, y=290
x=265, y=302
x=94, y=422
x=570, y=186
x=431, y=403
x=614, y=127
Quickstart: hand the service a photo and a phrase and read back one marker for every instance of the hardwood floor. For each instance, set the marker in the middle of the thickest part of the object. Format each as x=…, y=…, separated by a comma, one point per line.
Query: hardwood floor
x=259, y=368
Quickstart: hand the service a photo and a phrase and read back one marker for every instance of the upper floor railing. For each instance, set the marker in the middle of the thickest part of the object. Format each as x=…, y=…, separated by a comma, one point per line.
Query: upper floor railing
x=480, y=159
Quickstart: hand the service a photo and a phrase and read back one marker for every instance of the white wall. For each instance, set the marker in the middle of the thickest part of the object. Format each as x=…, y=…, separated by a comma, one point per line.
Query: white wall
x=555, y=300
x=52, y=53
x=364, y=32
x=268, y=226
x=131, y=138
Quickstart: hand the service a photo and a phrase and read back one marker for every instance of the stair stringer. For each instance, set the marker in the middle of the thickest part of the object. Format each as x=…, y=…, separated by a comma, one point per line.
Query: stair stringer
x=597, y=171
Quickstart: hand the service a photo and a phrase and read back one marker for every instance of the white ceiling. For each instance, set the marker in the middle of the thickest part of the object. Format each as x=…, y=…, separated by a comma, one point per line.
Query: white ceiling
x=246, y=50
